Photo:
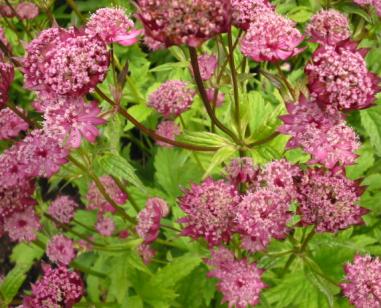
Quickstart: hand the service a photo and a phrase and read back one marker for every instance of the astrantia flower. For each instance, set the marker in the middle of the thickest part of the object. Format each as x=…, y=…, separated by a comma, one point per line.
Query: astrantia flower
x=374, y=3
x=329, y=27
x=58, y=287
x=11, y=124
x=219, y=99
x=12, y=168
x=27, y=10
x=241, y=170
x=338, y=77
x=261, y=216
x=329, y=201
x=105, y=226
x=15, y=199
x=146, y=252
x=172, y=98
x=321, y=133
x=184, y=22
x=60, y=250
x=363, y=282
x=96, y=201
x=113, y=26
x=149, y=219
x=22, y=226
x=271, y=37
x=62, y=209
x=68, y=119
x=245, y=11
x=210, y=208
x=153, y=44
x=65, y=62
x=6, y=77
x=41, y=155
x=238, y=280
x=280, y=175
x=169, y=130
x=207, y=64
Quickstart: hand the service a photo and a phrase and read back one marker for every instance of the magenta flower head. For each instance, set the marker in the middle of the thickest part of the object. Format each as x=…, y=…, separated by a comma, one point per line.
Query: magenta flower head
x=329, y=200
x=27, y=10
x=338, y=77
x=207, y=64
x=65, y=62
x=63, y=209
x=60, y=250
x=172, y=98
x=6, y=78
x=58, y=287
x=219, y=99
x=329, y=27
x=146, y=252
x=239, y=281
x=69, y=119
x=105, y=226
x=363, y=282
x=280, y=175
x=174, y=22
x=169, y=130
x=245, y=11
x=152, y=44
x=41, y=155
x=271, y=37
x=242, y=170
x=261, y=216
x=149, y=219
x=22, y=226
x=11, y=124
x=321, y=133
x=15, y=199
x=210, y=208
x=96, y=201
x=113, y=26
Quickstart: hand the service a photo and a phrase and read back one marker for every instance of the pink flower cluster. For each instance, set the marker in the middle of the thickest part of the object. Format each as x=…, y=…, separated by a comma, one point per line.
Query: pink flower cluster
x=175, y=22
x=207, y=64
x=60, y=250
x=105, y=226
x=113, y=26
x=245, y=11
x=374, y=3
x=238, y=280
x=329, y=200
x=363, y=282
x=149, y=218
x=11, y=124
x=321, y=133
x=24, y=10
x=58, y=287
x=338, y=77
x=96, y=200
x=329, y=27
x=242, y=170
x=6, y=78
x=172, y=98
x=68, y=119
x=62, y=209
x=210, y=208
x=65, y=62
x=271, y=37
x=169, y=130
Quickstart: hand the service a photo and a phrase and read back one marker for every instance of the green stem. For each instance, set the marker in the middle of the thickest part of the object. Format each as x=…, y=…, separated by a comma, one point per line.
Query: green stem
x=235, y=84
x=86, y=270
x=285, y=80
x=308, y=238
x=19, y=18
x=120, y=211
x=204, y=97
x=150, y=132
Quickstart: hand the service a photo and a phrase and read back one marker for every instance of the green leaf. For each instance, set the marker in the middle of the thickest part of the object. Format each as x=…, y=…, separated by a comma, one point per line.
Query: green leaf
x=363, y=163
x=222, y=155
x=175, y=170
x=13, y=281
x=116, y=165
x=371, y=119
x=169, y=66
x=204, y=139
x=300, y=14
x=140, y=112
